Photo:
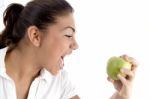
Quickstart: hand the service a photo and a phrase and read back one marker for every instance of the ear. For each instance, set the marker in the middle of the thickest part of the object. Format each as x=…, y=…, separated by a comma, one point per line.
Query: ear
x=34, y=35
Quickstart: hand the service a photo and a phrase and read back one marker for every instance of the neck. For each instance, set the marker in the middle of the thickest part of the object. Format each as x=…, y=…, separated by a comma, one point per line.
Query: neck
x=21, y=64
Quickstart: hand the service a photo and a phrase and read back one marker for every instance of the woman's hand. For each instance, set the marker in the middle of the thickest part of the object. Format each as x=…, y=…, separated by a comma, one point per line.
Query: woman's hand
x=123, y=86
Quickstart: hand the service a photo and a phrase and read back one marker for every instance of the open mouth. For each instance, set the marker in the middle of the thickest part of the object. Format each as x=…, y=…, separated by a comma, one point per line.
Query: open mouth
x=61, y=62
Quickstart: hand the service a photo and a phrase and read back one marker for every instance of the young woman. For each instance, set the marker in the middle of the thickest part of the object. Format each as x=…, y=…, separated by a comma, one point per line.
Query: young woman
x=33, y=45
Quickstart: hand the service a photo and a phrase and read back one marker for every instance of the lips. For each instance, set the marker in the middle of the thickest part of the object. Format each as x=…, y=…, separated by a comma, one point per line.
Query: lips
x=61, y=65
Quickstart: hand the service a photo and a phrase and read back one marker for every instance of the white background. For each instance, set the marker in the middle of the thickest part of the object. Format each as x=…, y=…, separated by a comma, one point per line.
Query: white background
x=107, y=28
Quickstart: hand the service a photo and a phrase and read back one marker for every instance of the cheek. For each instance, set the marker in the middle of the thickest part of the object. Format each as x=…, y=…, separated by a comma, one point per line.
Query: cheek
x=54, y=48
x=52, y=57
x=51, y=53
x=59, y=46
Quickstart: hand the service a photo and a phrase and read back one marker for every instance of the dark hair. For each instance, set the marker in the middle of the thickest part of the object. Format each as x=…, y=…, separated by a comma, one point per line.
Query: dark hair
x=39, y=13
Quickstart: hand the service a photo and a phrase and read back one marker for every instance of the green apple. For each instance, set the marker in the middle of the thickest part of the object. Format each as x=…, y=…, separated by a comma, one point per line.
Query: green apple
x=114, y=65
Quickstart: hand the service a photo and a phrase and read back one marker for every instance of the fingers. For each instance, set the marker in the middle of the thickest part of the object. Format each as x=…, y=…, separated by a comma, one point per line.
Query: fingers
x=134, y=68
x=129, y=74
x=125, y=81
x=122, y=79
x=132, y=61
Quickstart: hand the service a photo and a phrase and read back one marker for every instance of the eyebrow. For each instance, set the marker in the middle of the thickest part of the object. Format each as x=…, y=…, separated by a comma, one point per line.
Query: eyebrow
x=73, y=29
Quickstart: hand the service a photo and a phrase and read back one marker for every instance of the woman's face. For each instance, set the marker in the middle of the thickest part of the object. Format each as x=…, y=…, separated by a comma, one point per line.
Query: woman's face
x=58, y=41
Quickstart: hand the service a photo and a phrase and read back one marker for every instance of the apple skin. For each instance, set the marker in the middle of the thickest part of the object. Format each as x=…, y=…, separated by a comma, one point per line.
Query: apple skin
x=114, y=65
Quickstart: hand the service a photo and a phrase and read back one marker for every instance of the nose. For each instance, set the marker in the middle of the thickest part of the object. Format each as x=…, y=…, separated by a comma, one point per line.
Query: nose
x=74, y=45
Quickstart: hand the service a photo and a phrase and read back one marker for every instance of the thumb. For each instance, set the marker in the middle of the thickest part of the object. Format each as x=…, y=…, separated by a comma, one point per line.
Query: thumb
x=122, y=79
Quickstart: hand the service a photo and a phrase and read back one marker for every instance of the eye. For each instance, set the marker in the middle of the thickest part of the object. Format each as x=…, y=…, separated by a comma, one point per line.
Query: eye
x=68, y=33
x=69, y=36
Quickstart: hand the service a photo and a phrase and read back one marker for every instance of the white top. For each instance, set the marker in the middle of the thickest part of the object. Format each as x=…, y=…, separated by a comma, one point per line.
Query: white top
x=46, y=86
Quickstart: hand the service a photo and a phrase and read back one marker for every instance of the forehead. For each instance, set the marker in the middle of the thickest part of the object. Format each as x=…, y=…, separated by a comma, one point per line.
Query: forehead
x=65, y=21
x=62, y=23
